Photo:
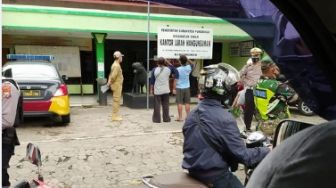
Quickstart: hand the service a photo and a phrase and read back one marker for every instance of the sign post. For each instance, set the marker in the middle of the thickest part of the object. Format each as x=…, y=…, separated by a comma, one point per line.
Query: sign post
x=148, y=48
x=195, y=43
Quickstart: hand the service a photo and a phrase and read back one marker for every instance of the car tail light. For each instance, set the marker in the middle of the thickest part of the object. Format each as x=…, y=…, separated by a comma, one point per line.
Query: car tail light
x=61, y=91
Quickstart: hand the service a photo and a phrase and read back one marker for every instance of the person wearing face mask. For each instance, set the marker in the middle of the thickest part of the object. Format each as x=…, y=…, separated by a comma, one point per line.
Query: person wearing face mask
x=249, y=76
x=271, y=97
x=10, y=101
x=212, y=145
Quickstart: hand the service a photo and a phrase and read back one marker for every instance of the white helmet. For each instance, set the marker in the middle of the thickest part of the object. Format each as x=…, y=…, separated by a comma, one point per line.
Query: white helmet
x=218, y=81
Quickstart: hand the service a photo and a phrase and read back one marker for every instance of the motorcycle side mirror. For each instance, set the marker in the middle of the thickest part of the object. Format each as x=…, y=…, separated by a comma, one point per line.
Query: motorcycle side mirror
x=287, y=128
x=33, y=154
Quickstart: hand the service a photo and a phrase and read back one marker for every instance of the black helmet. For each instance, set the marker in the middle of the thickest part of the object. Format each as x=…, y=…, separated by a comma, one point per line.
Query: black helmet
x=218, y=81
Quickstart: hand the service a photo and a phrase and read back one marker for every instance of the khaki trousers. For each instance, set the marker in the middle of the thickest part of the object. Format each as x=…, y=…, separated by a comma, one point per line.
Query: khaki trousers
x=116, y=96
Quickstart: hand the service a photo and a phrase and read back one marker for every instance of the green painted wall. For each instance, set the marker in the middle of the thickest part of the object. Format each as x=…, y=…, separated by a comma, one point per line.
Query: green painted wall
x=237, y=62
x=82, y=20
x=113, y=22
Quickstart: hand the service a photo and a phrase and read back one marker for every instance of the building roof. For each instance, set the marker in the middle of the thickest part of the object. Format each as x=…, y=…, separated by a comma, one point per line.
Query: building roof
x=82, y=22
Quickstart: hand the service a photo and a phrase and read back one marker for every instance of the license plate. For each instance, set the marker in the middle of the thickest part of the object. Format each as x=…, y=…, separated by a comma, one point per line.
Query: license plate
x=31, y=93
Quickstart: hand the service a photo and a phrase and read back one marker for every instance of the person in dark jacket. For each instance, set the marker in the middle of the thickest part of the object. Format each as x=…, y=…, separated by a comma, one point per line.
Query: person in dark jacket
x=213, y=163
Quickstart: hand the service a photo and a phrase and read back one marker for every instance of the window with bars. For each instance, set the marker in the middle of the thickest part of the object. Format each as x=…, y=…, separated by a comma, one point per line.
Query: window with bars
x=245, y=47
x=234, y=49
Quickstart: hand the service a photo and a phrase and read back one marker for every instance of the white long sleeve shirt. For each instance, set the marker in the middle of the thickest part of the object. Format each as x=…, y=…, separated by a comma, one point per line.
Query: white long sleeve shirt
x=10, y=98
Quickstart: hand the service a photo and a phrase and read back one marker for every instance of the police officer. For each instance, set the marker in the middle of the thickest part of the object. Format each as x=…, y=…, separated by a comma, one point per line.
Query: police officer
x=212, y=144
x=271, y=97
x=249, y=76
x=115, y=81
x=10, y=98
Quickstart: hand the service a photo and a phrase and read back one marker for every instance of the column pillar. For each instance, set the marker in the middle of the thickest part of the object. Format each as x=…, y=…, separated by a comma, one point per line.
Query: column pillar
x=100, y=53
x=99, y=39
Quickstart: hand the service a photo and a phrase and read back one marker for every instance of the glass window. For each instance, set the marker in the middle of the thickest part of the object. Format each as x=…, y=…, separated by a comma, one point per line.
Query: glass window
x=33, y=71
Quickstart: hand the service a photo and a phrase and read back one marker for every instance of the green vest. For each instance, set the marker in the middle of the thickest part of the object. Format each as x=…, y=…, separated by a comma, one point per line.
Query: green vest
x=266, y=102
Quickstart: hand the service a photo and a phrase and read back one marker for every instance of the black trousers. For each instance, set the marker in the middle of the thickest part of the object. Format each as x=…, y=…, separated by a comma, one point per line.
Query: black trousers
x=158, y=101
x=249, y=108
x=7, y=152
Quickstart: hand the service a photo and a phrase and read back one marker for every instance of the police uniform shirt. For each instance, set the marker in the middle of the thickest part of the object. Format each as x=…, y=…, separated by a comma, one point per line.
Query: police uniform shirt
x=250, y=74
x=10, y=98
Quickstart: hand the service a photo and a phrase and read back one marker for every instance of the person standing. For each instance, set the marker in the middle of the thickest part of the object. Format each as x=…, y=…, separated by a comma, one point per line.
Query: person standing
x=10, y=99
x=183, y=86
x=159, y=82
x=115, y=81
x=212, y=146
x=271, y=98
x=249, y=76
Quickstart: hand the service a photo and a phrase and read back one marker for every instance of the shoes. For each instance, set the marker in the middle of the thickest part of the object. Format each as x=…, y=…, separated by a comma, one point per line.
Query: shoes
x=118, y=118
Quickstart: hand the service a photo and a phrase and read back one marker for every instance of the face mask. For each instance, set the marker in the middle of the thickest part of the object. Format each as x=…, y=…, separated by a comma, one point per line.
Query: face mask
x=255, y=59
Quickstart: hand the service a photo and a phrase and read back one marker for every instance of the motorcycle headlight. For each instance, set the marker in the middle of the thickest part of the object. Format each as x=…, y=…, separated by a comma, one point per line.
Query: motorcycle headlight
x=255, y=137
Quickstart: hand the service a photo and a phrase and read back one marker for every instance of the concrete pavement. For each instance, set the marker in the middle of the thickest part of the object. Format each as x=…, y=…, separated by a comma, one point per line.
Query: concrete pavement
x=92, y=100
x=92, y=151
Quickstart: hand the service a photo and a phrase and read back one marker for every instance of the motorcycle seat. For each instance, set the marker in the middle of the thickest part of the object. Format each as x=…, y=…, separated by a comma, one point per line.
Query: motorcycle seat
x=173, y=180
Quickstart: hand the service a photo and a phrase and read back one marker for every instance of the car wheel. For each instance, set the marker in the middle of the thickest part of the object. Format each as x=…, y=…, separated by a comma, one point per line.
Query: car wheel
x=65, y=119
x=304, y=109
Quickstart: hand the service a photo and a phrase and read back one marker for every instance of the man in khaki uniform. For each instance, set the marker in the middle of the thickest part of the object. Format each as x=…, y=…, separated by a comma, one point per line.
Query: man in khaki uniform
x=115, y=82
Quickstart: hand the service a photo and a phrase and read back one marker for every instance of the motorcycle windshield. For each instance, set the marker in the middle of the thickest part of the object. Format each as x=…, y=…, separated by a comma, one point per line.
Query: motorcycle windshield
x=303, y=66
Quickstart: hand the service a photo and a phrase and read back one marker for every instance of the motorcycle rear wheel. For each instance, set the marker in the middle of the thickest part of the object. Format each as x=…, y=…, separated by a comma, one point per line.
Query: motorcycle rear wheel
x=304, y=109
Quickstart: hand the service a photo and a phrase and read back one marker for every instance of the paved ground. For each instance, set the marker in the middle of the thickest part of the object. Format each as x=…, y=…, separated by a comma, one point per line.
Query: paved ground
x=92, y=151
x=91, y=100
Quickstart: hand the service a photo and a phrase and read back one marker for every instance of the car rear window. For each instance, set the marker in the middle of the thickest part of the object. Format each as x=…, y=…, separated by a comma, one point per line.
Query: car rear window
x=33, y=71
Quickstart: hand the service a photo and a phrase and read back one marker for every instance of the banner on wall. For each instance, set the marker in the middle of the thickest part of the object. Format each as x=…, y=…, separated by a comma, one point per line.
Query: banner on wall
x=67, y=58
x=195, y=43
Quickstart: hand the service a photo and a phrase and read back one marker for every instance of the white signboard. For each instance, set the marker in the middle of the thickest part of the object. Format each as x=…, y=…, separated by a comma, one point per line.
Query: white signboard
x=67, y=58
x=195, y=43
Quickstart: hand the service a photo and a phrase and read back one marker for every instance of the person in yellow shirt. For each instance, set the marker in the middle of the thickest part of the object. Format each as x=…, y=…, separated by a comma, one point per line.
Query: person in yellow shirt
x=115, y=81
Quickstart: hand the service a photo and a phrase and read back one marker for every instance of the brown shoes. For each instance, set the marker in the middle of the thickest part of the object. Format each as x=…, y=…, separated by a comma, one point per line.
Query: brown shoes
x=118, y=118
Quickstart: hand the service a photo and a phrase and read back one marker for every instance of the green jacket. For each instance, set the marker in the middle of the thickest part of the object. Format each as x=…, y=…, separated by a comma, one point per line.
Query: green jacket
x=270, y=97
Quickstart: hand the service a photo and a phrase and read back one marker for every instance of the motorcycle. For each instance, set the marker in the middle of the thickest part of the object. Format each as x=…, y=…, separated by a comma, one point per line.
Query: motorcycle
x=301, y=106
x=183, y=180
x=173, y=180
x=284, y=129
x=33, y=155
x=254, y=139
x=298, y=103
